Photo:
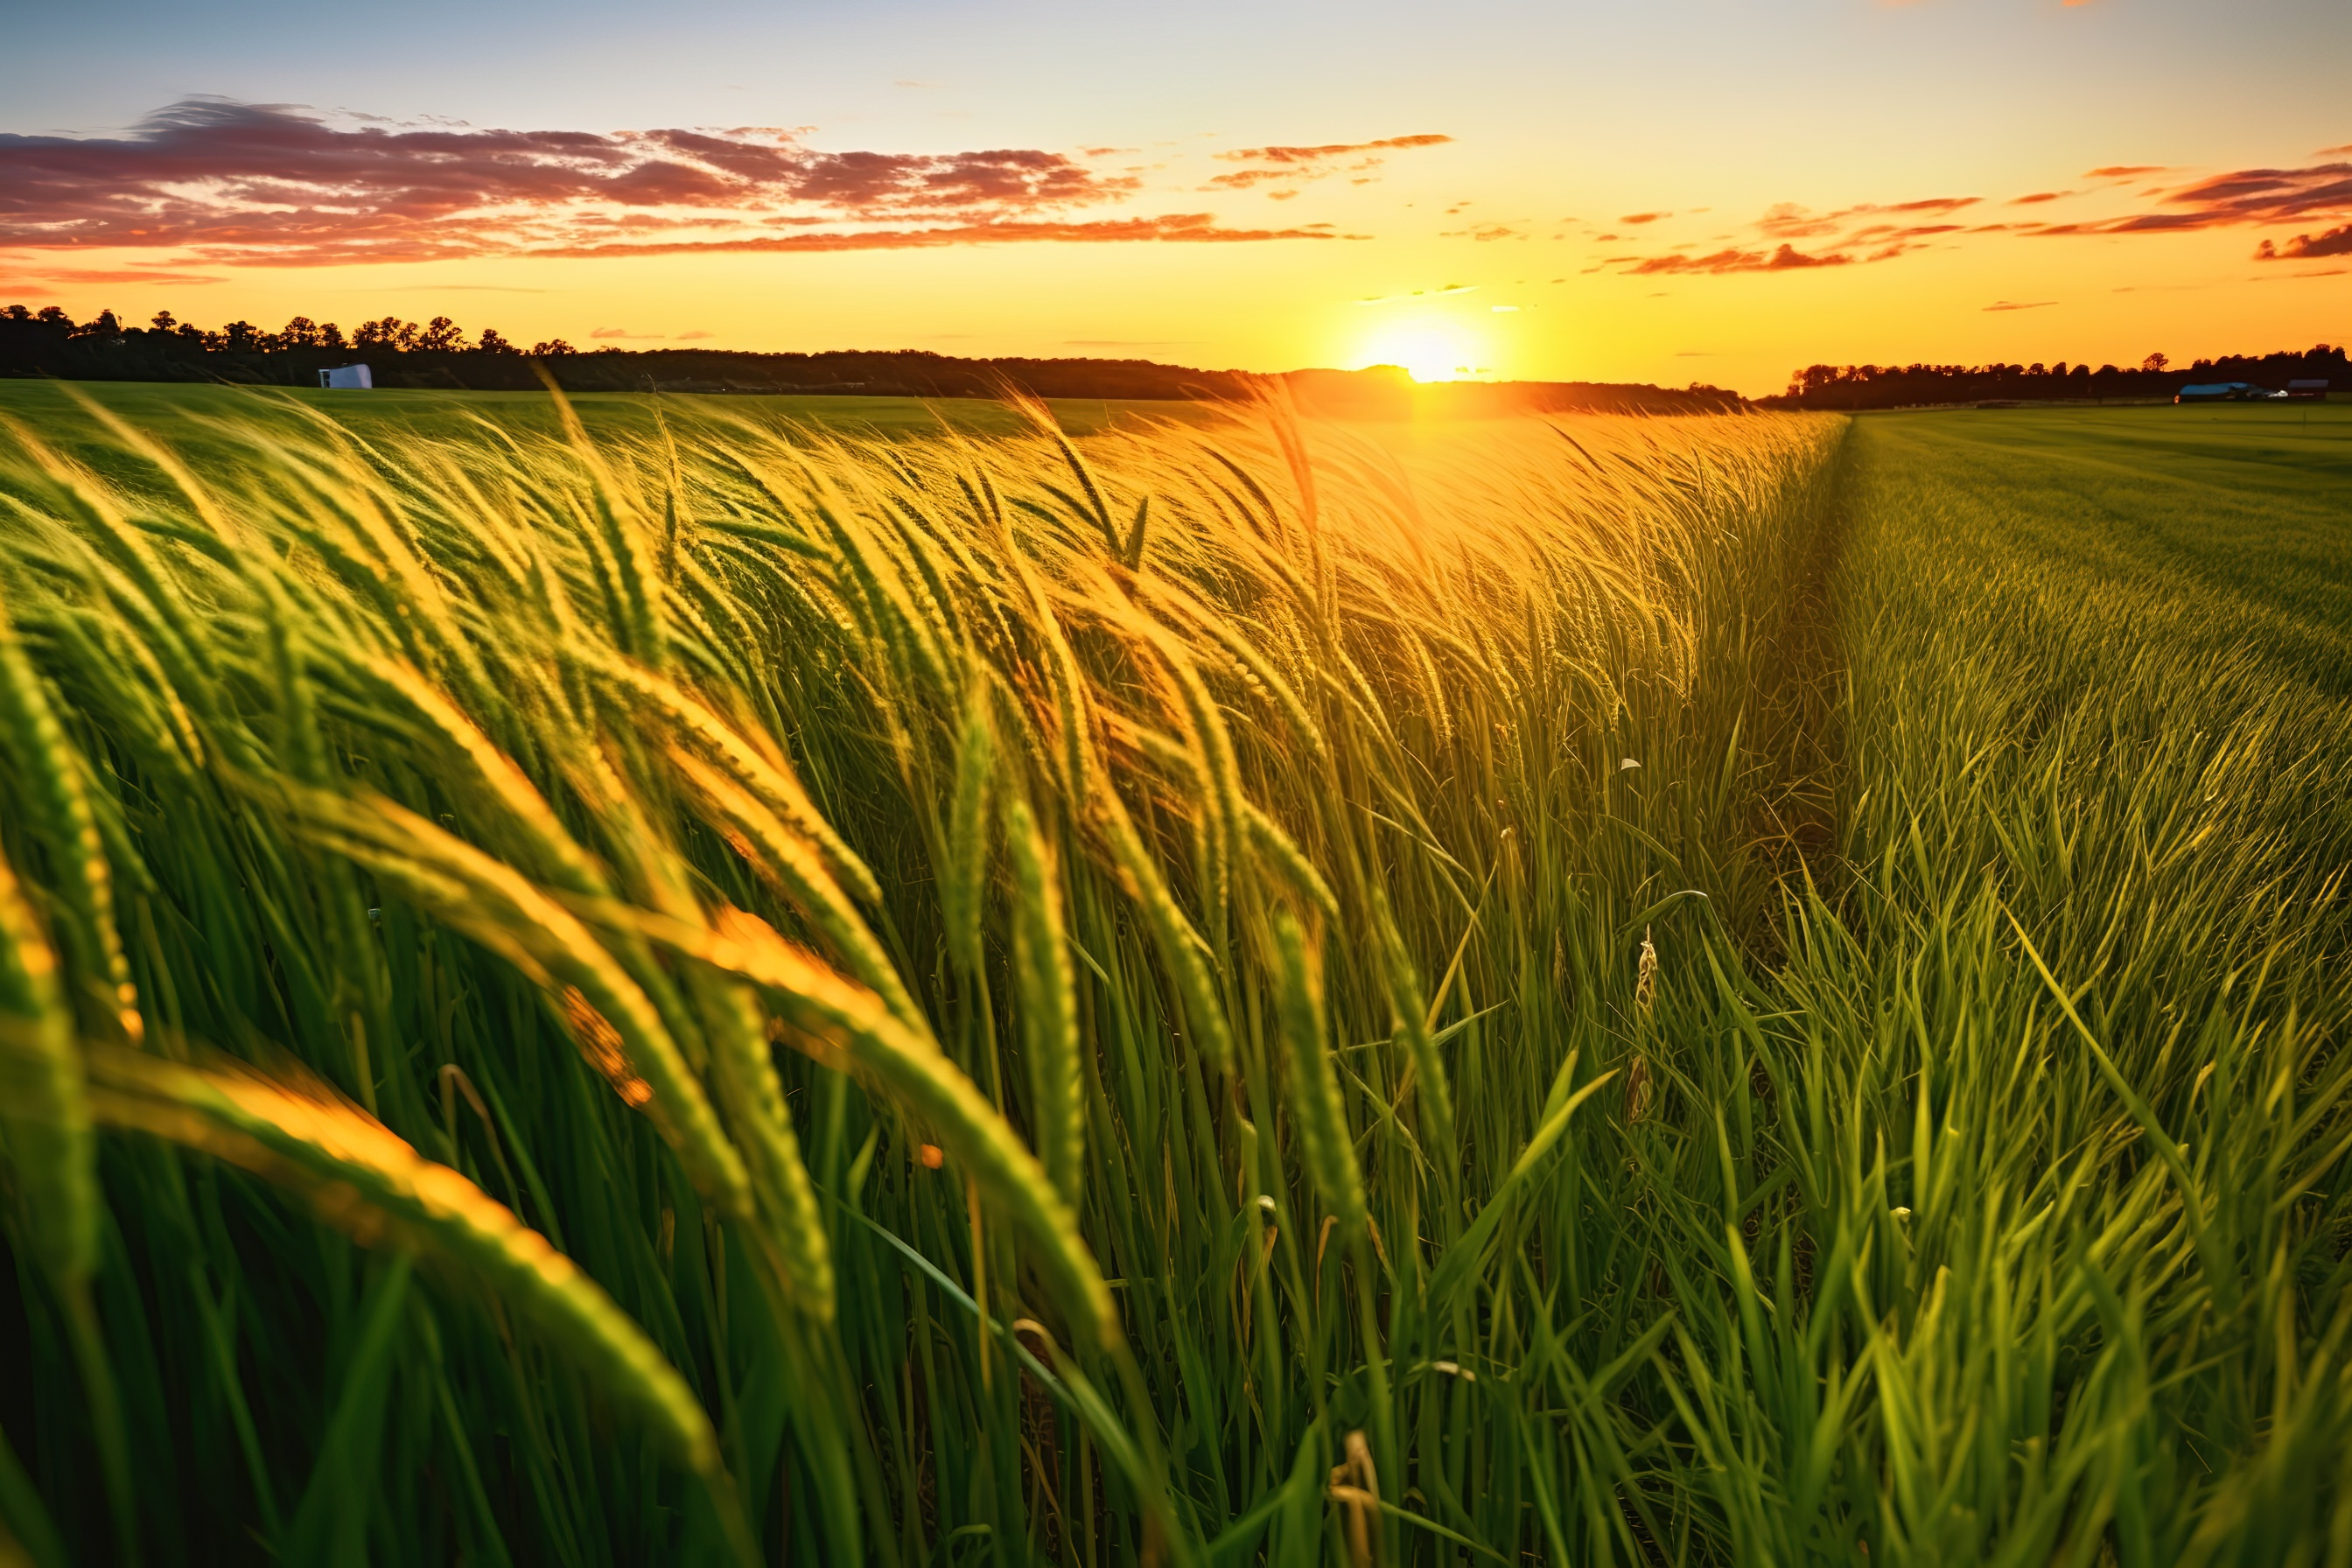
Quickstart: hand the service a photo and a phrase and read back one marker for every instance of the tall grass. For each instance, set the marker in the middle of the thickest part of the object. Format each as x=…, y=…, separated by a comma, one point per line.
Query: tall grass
x=1196, y=996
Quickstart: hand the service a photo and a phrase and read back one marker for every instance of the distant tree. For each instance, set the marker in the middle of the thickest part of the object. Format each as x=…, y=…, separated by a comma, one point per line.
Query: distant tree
x=302, y=332
x=330, y=336
x=16, y=313
x=241, y=338
x=386, y=332
x=105, y=324
x=2153, y=362
x=163, y=321
x=492, y=343
x=552, y=348
x=442, y=335
x=53, y=316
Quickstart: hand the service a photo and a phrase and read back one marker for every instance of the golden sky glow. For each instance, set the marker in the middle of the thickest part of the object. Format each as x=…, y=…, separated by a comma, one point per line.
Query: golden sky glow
x=1685, y=190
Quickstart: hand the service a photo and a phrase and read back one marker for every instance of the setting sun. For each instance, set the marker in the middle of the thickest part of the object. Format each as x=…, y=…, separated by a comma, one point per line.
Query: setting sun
x=1429, y=350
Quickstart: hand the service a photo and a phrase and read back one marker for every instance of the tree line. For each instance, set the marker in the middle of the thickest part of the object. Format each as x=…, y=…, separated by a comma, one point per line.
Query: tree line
x=49, y=342
x=1910, y=386
x=440, y=353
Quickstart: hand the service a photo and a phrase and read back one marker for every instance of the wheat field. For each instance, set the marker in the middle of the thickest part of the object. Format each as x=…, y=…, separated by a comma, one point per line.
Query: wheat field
x=1592, y=991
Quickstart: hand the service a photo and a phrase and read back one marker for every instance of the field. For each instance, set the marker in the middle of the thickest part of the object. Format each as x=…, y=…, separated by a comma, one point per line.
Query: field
x=620, y=414
x=696, y=984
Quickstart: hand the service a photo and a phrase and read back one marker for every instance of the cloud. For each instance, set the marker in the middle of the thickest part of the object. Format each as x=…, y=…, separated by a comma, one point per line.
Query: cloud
x=1789, y=221
x=2332, y=151
x=2309, y=248
x=1179, y=228
x=2242, y=198
x=163, y=275
x=2020, y=304
x=1643, y=218
x=2040, y=196
x=690, y=337
x=1889, y=228
x=279, y=184
x=1787, y=259
x=1427, y=293
x=2126, y=171
x=624, y=332
x=1330, y=150
x=2247, y=197
x=1270, y=164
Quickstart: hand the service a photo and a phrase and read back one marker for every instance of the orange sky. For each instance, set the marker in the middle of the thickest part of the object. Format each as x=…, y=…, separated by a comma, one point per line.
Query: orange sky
x=1683, y=189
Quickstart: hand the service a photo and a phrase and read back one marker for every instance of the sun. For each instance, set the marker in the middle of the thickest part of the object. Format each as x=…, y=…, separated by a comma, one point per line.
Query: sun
x=1428, y=350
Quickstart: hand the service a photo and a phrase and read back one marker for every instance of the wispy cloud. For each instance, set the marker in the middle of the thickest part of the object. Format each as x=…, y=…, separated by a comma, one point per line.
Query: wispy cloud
x=2246, y=197
x=1787, y=259
x=1270, y=164
x=1797, y=238
x=2020, y=304
x=1425, y=293
x=2308, y=246
x=1789, y=221
x=2315, y=194
x=163, y=275
x=230, y=183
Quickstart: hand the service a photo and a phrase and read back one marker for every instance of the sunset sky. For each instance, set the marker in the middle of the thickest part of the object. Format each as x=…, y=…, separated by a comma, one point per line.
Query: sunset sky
x=1642, y=190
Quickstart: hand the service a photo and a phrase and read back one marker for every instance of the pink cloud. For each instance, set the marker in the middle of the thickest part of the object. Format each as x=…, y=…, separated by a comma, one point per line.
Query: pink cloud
x=275, y=184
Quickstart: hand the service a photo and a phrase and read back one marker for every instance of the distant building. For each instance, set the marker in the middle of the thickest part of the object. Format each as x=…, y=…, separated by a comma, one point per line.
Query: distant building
x=2317, y=389
x=2224, y=391
x=347, y=378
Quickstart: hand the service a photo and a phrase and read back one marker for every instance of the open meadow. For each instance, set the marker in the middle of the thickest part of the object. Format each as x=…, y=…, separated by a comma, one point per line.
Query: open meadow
x=683, y=980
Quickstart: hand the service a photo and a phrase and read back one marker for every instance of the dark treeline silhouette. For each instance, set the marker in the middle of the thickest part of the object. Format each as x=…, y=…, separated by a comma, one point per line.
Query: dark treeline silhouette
x=438, y=354
x=1916, y=385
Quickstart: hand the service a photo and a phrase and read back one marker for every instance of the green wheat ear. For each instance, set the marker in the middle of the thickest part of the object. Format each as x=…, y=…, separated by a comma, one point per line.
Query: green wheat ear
x=45, y=1116
x=617, y=1026
x=910, y=1067
x=62, y=820
x=369, y=1184
x=751, y=1098
x=961, y=878
x=1047, y=990
x=1315, y=1107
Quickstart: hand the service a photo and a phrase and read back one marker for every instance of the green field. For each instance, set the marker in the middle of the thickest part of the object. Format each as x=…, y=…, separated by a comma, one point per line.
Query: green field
x=732, y=989
x=406, y=411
